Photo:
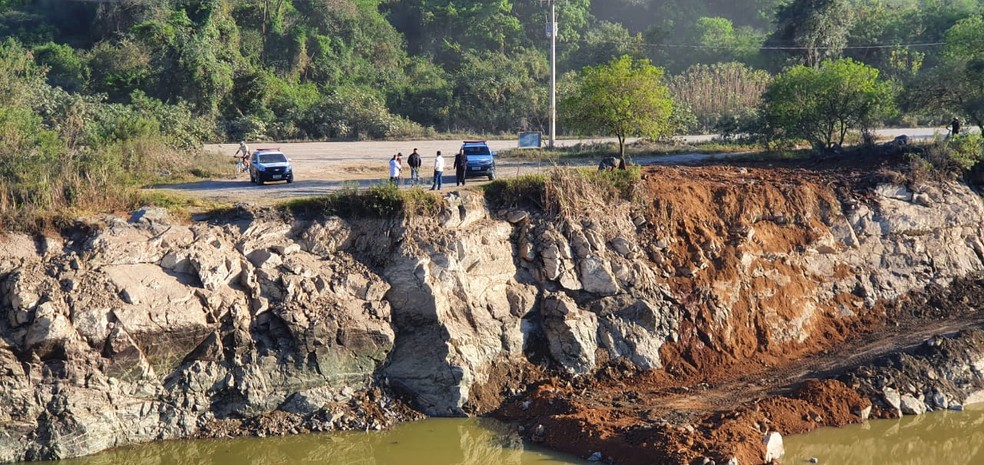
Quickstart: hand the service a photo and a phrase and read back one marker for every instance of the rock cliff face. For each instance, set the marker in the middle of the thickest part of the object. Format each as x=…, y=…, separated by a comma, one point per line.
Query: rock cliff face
x=147, y=329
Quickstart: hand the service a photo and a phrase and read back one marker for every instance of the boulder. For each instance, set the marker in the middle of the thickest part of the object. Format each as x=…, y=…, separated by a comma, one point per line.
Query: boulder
x=910, y=405
x=622, y=246
x=638, y=331
x=517, y=216
x=893, y=400
x=774, y=449
x=596, y=277
x=49, y=332
x=571, y=333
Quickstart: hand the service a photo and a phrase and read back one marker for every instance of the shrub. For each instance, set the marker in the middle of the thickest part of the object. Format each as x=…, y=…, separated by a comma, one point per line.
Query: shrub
x=379, y=201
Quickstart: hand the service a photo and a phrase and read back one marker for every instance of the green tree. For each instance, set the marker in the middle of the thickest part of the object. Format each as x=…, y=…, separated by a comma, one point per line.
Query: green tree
x=603, y=41
x=822, y=104
x=65, y=68
x=624, y=98
x=720, y=41
x=955, y=86
x=811, y=31
x=500, y=92
x=964, y=65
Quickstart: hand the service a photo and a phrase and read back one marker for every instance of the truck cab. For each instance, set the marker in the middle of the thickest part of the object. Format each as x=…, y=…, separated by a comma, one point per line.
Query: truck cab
x=481, y=160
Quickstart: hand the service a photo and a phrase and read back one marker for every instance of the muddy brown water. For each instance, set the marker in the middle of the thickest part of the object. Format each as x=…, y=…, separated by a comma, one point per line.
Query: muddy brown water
x=430, y=442
x=951, y=438
x=938, y=438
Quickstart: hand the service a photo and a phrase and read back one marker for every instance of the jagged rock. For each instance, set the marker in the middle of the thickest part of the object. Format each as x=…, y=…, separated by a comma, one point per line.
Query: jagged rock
x=150, y=215
x=517, y=216
x=49, y=332
x=893, y=399
x=261, y=258
x=638, y=331
x=571, y=333
x=910, y=405
x=774, y=449
x=622, y=246
x=596, y=277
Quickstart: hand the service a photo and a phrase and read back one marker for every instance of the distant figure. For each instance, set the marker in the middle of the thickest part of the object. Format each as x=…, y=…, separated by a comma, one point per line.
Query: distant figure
x=460, y=166
x=438, y=171
x=399, y=161
x=394, y=170
x=243, y=164
x=608, y=164
x=414, y=161
x=955, y=127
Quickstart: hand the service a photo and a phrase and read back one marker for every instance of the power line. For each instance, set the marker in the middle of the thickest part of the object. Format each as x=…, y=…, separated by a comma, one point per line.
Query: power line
x=764, y=47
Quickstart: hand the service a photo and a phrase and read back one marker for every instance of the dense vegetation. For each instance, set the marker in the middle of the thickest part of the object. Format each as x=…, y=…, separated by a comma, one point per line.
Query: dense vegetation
x=99, y=96
x=293, y=69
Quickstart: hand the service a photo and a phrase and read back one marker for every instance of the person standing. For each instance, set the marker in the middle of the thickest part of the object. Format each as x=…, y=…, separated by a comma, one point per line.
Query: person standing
x=414, y=161
x=460, y=167
x=955, y=127
x=399, y=161
x=438, y=171
x=394, y=170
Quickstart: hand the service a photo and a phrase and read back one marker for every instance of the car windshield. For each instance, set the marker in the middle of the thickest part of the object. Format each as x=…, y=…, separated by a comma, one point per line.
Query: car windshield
x=477, y=150
x=272, y=158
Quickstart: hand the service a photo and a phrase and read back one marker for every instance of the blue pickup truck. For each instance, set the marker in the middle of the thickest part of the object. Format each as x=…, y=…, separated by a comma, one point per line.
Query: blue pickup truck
x=481, y=160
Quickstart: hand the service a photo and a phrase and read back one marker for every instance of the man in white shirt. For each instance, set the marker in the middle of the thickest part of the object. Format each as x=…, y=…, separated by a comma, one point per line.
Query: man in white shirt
x=438, y=171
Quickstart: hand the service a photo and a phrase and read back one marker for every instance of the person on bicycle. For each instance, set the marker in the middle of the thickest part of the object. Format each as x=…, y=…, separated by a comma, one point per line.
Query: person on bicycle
x=243, y=163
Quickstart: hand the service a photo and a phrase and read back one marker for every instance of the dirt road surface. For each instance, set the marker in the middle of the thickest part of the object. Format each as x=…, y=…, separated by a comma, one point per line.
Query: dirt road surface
x=323, y=167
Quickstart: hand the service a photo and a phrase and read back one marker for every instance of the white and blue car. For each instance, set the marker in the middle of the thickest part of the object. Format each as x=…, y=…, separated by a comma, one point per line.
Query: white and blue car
x=266, y=165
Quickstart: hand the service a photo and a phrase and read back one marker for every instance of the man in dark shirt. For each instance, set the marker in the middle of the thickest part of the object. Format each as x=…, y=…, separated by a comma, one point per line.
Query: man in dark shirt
x=460, y=166
x=414, y=161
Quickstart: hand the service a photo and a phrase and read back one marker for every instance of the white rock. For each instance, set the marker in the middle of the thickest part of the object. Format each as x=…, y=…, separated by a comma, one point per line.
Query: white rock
x=893, y=399
x=910, y=405
x=774, y=448
x=596, y=277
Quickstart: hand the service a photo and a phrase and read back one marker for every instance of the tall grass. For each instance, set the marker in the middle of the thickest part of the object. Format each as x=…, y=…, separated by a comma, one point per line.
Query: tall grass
x=719, y=92
x=566, y=192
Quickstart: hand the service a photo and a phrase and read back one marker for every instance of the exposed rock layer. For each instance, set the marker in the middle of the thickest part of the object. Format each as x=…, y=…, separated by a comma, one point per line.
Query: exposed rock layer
x=148, y=329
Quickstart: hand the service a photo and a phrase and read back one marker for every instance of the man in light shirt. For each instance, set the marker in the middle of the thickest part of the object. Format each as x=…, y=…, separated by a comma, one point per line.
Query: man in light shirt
x=438, y=171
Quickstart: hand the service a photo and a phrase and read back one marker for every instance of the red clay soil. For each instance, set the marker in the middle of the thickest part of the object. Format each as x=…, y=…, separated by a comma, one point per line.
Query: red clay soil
x=725, y=384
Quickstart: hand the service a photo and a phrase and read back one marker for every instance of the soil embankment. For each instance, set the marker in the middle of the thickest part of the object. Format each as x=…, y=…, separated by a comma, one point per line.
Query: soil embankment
x=680, y=327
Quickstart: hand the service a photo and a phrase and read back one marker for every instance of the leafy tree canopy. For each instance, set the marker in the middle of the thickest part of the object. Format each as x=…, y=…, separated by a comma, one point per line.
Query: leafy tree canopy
x=821, y=104
x=624, y=97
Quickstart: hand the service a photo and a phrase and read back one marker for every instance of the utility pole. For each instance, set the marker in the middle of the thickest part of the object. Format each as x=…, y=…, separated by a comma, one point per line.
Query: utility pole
x=553, y=72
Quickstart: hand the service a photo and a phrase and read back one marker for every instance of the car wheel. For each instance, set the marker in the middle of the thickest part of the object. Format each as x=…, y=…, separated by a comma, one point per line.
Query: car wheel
x=252, y=179
x=290, y=179
x=259, y=181
x=492, y=176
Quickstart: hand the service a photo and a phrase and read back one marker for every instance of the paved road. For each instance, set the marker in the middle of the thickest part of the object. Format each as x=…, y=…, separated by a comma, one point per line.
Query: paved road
x=322, y=167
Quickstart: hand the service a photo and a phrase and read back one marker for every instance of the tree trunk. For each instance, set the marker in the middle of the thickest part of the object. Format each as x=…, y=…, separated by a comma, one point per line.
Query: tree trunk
x=621, y=152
